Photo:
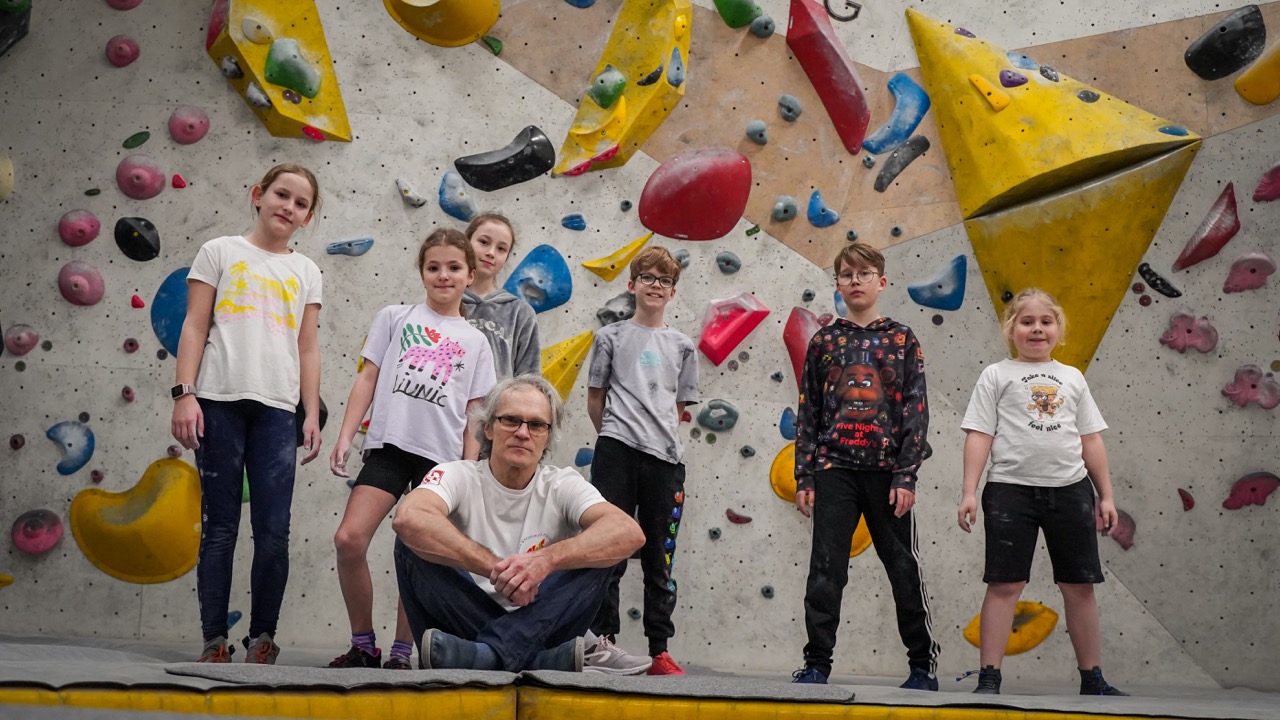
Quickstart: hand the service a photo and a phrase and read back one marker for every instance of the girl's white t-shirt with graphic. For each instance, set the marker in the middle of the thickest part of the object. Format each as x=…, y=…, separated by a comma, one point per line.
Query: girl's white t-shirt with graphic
x=259, y=301
x=1036, y=413
x=429, y=367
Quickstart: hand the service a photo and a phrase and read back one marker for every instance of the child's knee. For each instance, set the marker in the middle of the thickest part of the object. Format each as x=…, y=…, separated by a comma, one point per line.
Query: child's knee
x=1005, y=590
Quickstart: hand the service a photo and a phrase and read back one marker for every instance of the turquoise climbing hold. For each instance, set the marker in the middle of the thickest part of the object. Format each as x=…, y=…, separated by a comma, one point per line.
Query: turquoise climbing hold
x=758, y=132
x=675, y=69
x=718, y=415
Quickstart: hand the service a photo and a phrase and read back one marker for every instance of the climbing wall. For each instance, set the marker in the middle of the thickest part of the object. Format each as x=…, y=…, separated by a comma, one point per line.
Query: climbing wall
x=99, y=291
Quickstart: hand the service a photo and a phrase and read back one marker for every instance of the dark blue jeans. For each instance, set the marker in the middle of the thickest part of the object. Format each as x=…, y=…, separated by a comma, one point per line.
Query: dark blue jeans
x=244, y=437
x=448, y=599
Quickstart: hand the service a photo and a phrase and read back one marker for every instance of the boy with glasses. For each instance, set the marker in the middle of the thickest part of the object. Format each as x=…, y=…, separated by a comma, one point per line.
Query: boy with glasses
x=860, y=440
x=642, y=375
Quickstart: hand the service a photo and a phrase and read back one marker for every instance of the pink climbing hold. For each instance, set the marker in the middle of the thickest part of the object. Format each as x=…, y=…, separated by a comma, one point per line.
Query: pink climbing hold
x=801, y=326
x=20, y=339
x=1125, y=530
x=1220, y=225
x=178, y=182
x=124, y=4
x=140, y=177
x=36, y=532
x=137, y=302
x=697, y=195
x=821, y=54
x=1188, y=502
x=78, y=227
x=1252, y=489
x=188, y=124
x=1251, y=385
x=736, y=518
x=122, y=50
x=80, y=283
x=727, y=322
x=127, y=394
x=1249, y=272
x=1268, y=186
x=1188, y=331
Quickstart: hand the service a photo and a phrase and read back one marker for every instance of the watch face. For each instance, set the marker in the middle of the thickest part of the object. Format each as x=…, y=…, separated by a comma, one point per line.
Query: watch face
x=178, y=391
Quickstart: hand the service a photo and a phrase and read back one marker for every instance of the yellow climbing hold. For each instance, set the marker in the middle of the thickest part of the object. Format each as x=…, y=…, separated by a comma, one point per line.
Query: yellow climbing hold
x=562, y=361
x=1260, y=84
x=1032, y=623
x=5, y=580
x=782, y=477
x=648, y=38
x=447, y=23
x=610, y=265
x=149, y=533
x=1063, y=132
x=6, y=178
x=998, y=98
x=284, y=112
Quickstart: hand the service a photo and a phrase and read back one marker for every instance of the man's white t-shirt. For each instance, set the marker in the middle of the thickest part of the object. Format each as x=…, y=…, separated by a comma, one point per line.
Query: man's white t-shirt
x=510, y=521
x=429, y=367
x=1036, y=412
x=259, y=300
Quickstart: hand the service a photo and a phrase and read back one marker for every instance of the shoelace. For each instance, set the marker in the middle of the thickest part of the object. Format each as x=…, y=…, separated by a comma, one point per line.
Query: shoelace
x=261, y=651
x=967, y=673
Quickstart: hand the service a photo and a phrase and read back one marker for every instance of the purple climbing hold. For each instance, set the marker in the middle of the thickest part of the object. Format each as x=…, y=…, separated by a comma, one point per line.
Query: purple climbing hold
x=78, y=227
x=1010, y=78
x=140, y=177
x=965, y=33
x=188, y=124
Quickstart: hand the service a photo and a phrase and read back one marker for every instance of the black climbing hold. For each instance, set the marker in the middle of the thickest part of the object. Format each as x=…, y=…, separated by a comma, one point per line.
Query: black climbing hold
x=899, y=159
x=777, y=376
x=747, y=451
x=162, y=354
x=1157, y=282
x=17, y=441
x=300, y=415
x=767, y=592
x=1228, y=46
x=713, y=533
x=84, y=417
x=651, y=78
x=91, y=192
x=137, y=238
x=733, y=365
x=937, y=319
x=1049, y=73
x=1006, y=296
x=808, y=295
x=868, y=161
x=47, y=345
x=896, y=231
x=15, y=21
x=1088, y=96
x=529, y=155
x=633, y=613
x=625, y=205
x=20, y=366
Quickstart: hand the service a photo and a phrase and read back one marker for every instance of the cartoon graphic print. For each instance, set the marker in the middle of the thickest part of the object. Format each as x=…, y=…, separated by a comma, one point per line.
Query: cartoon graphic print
x=1045, y=400
x=423, y=350
x=253, y=296
x=439, y=357
x=859, y=388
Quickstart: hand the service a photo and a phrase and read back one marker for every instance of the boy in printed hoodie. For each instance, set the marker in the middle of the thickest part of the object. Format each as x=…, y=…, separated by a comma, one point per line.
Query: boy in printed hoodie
x=507, y=322
x=860, y=440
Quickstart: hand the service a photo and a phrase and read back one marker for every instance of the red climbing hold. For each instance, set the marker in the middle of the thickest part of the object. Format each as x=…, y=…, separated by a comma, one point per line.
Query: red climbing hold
x=312, y=133
x=813, y=41
x=137, y=302
x=727, y=322
x=1252, y=489
x=1220, y=225
x=735, y=518
x=126, y=393
x=801, y=326
x=1188, y=502
x=1269, y=186
x=178, y=182
x=697, y=195
x=686, y=416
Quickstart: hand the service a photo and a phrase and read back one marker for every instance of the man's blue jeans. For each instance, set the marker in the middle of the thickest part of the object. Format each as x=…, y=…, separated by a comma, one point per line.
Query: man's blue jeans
x=448, y=599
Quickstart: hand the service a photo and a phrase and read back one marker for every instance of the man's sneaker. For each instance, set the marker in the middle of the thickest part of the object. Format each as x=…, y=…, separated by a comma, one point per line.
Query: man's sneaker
x=920, y=680
x=988, y=681
x=357, y=658
x=605, y=657
x=809, y=676
x=664, y=665
x=216, y=651
x=261, y=650
x=1092, y=683
x=397, y=663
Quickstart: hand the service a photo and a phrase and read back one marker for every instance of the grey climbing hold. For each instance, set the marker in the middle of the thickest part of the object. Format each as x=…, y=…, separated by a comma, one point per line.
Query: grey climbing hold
x=733, y=365
x=899, y=159
x=757, y=132
x=763, y=26
x=747, y=451
x=868, y=161
x=728, y=263
x=625, y=206
x=1049, y=73
x=851, y=236
x=256, y=96
x=896, y=231
x=714, y=533
x=230, y=68
x=618, y=308
x=411, y=198
x=633, y=613
x=718, y=415
x=808, y=295
x=1088, y=96
x=777, y=376
x=789, y=108
x=767, y=592
x=785, y=208
x=682, y=257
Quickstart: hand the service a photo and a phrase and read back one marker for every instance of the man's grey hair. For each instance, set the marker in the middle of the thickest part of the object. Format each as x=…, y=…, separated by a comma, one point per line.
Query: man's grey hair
x=484, y=414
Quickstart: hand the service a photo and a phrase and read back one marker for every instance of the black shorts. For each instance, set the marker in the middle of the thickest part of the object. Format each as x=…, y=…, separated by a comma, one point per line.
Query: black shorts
x=394, y=470
x=1013, y=517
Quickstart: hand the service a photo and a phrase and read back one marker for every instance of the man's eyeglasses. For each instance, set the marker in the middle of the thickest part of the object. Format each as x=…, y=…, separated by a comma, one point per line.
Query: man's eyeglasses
x=513, y=423
x=664, y=281
x=862, y=276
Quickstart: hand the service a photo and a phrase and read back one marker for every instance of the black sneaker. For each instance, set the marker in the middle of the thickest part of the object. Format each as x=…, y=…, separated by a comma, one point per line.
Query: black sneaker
x=988, y=681
x=920, y=679
x=397, y=663
x=1092, y=683
x=357, y=658
x=809, y=676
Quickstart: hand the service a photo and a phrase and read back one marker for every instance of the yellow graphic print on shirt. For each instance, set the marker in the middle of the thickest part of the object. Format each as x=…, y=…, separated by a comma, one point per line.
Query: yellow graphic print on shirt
x=1045, y=400
x=252, y=296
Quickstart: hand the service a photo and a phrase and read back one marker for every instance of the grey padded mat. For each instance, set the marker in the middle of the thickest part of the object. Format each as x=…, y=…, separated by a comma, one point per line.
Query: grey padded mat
x=692, y=686
x=285, y=676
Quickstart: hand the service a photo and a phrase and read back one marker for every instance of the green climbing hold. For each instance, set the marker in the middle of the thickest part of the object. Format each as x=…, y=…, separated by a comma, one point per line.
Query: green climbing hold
x=93, y=191
x=753, y=230
x=136, y=140
x=607, y=87
x=244, y=493
x=737, y=13
x=15, y=6
x=710, y=438
x=287, y=68
x=493, y=43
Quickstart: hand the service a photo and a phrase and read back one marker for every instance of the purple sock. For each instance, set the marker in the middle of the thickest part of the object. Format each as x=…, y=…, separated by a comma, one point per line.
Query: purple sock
x=401, y=649
x=367, y=642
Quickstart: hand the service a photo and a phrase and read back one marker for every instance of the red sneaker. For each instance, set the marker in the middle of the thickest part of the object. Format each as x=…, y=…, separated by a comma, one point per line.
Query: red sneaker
x=664, y=665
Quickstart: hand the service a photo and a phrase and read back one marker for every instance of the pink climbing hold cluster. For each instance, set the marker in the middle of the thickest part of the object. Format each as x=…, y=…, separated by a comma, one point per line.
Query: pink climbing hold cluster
x=1249, y=272
x=188, y=124
x=80, y=283
x=122, y=50
x=140, y=177
x=1251, y=385
x=1188, y=331
x=1268, y=186
x=1125, y=531
x=727, y=322
x=78, y=227
x=1252, y=489
x=36, y=532
x=20, y=339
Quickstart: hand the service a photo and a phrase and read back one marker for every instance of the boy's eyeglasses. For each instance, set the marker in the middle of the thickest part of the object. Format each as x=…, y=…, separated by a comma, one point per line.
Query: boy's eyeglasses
x=664, y=281
x=513, y=423
x=862, y=276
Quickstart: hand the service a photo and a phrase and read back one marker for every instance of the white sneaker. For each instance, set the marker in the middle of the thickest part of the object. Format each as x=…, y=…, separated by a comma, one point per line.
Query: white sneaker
x=603, y=656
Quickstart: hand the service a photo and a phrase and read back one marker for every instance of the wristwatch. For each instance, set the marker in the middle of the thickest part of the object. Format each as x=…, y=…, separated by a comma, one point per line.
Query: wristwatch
x=182, y=389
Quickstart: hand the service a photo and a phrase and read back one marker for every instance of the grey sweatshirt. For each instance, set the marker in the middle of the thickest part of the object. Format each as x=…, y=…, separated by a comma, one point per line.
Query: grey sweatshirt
x=511, y=327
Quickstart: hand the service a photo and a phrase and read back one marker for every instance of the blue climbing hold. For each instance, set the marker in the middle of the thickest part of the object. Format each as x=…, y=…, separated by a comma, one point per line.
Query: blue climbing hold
x=946, y=290
x=910, y=103
x=581, y=3
x=819, y=214
x=542, y=279
x=675, y=68
x=1177, y=130
x=574, y=221
x=1019, y=60
x=233, y=617
x=841, y=308
x=1012, y=79
x=787, y=424
x=584, y=457
x=76, y=440
x=454, y=198
x=354, y=248
x=763, y=26
x=169, y=309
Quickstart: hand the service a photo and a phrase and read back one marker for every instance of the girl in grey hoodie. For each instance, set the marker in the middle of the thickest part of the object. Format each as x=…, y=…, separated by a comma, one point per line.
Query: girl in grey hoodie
x=509, y=323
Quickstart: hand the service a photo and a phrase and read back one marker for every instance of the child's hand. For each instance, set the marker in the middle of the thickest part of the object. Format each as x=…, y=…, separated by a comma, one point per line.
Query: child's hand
x=1110, y=518
x=310, y=439
x=902, y=499
x=804, y=502
x=188, y=422
x=967, y=512
x=338, y=458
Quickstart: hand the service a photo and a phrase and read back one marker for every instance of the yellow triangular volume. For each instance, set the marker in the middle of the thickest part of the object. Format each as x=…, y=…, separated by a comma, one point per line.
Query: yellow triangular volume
x=562, y=361
x=1053, y=134
x=610, y=265
x=1081, y=245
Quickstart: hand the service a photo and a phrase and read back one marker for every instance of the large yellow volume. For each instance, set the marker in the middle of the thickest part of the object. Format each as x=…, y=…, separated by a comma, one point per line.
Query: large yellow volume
x=562, y=361
x=1055, y=131
x=782, y=478
x=447, y=23
x=1032, y=624
x=610, y=265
